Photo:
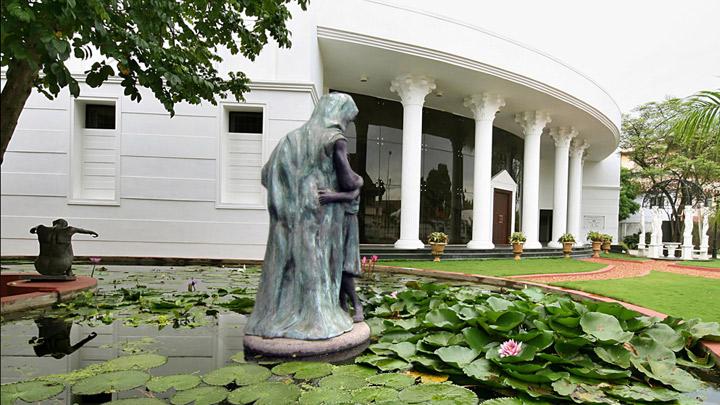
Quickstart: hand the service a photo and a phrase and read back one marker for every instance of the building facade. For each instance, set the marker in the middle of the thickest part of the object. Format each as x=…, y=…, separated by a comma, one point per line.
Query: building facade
x=476, y=137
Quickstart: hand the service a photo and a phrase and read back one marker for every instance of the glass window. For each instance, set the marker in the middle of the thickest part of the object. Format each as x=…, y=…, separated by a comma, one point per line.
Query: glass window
x=245, y=122
x=99, y=116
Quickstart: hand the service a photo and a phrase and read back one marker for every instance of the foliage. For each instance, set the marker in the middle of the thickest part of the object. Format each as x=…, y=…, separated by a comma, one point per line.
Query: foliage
x=607, y=238
x=576, y=351
x=517, y=237
x=501, y=267
x=170, y=47
x=200, y=396
x=178, y=382
x=438, y=237
x=111, y=382
x=629, y=191
x=680, y=167
x=595, y=236
x=31, y=391
x=566, y=238
x=701, y=118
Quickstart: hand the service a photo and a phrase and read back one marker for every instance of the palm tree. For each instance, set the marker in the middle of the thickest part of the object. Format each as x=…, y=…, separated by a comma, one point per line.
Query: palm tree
x=701, y=117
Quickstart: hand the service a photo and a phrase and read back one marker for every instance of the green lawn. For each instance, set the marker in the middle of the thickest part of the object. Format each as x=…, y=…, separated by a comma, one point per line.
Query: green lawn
x=712, y=263
x=500, y=267
x=621, y=256
x=673, y=294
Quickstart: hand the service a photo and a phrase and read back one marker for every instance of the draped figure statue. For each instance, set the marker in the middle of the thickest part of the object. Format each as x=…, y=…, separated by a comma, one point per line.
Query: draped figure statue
x=298, y=295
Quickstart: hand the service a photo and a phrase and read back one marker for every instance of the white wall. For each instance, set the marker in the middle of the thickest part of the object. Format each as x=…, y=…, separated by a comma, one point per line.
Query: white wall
x=601, y=196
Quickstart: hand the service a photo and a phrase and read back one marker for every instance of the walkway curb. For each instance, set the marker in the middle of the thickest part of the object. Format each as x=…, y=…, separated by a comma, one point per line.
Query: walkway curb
x=711, y=347
x=605, y=269
x=698, y=268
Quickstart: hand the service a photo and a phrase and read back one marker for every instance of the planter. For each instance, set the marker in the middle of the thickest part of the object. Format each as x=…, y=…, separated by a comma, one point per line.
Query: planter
x=437, y=250
x=567, y=249
x=517, y=249
x=606, y=247
x=596, y=248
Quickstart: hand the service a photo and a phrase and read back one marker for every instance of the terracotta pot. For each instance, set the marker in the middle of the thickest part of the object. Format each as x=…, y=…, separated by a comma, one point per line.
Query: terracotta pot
x=606, y=247
x=517, y=249
x=567, y=249
x=437, y=249
x=596, y=248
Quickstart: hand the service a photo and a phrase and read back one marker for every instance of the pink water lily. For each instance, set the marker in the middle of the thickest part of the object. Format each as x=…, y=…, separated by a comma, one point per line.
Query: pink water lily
x=95, y=260
x=364, y=260
x=510, y=348
x=394, y=294
x=192, y=284
x=374, y=258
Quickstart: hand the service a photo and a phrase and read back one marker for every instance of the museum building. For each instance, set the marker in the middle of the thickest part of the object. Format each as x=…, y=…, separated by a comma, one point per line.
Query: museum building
x=476, y=137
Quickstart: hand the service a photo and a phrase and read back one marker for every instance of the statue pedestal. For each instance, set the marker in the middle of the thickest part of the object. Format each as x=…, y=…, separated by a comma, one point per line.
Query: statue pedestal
x=687, y=252
x=339, y=348
x=655, y=251
x=704, y=252
x=642, y=251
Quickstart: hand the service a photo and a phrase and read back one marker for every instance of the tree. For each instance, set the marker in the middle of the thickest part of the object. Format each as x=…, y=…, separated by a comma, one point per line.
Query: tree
x=168, y=46
x=629, y=190
x=682, y=169
x=702, y=118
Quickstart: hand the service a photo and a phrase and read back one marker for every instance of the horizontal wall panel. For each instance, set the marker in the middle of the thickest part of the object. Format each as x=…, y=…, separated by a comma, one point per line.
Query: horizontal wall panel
x=34, y=184
x=136, y=166
x=157, y=124
x=35, y=162
x=167, y=189
x=40, y=140
x=44, y=119
x=169, y=146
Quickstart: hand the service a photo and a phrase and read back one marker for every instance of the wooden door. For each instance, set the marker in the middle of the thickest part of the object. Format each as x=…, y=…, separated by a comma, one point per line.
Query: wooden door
x=501, y=216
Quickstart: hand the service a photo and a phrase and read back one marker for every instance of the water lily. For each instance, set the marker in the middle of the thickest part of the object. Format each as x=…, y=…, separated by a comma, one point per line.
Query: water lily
x=95, y=260
x=510, y=348
x=394, y=294
x=364, y=260
x=374, y=258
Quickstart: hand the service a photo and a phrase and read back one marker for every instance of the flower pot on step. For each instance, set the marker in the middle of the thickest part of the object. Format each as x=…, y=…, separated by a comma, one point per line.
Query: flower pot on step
x=596, y=248
x=437, y=249
x=567, y=249
x=517, y=250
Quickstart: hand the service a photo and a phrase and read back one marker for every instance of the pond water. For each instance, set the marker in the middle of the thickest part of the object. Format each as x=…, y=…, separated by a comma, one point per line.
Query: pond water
x=196, y=341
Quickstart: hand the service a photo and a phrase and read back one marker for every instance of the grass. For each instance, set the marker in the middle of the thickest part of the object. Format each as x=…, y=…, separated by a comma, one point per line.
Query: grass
x=623, y=256
x=500, y=267
x=715, y=264
x=673, y=294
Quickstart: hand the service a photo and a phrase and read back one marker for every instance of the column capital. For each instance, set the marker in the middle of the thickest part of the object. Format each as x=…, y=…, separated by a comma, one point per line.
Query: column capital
x=484, y=105
x=532, y=122
x=412, y=88
x=563, y=135
x=578, y=147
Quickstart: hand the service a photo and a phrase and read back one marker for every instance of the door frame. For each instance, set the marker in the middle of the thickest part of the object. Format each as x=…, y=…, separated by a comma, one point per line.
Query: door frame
x=503, y=181
x=508, y=221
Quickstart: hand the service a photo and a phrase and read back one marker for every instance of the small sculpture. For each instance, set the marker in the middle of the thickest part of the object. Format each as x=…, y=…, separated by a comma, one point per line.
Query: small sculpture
x=56, y=254
x=657, y=226
x=54, y=338
x=687, y=232
x=641, y=241
x=704, y=237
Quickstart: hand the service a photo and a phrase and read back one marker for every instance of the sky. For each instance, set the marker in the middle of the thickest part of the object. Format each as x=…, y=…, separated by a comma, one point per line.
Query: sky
x=638, y=50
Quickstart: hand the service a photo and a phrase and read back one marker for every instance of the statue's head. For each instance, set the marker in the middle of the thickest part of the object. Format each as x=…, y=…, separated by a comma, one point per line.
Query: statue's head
x=335, y=110
x=60, y=223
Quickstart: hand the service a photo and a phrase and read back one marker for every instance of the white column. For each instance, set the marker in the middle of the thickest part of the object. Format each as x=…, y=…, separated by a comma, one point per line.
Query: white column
x=532, y=123
x=687, y=246
x=484, y=106
x=412, y=90
x=577, y=151
x=562, y=137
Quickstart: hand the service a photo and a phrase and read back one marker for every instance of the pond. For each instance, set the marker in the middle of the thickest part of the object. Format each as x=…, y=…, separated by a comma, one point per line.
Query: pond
x=201, y=331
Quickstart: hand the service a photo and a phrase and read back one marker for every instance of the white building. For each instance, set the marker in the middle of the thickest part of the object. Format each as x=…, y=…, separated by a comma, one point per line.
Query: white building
x=460, y=130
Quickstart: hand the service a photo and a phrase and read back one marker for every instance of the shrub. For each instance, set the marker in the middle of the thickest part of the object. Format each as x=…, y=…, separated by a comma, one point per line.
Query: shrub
x=567, y=237
x=595, y=236
x=438, y=237
x=517, y=237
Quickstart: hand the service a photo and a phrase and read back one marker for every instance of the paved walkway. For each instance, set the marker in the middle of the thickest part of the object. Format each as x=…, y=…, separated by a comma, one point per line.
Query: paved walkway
x=624, y=269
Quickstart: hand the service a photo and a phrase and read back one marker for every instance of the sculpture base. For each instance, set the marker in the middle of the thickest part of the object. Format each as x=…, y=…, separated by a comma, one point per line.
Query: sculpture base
x=339, y=348
x=45, y=278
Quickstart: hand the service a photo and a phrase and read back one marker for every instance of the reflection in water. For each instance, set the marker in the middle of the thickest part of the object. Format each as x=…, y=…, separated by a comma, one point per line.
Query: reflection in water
x=54, y=338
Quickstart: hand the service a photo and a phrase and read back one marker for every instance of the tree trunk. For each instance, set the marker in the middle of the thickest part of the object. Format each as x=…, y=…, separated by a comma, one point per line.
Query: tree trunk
x=19, y=83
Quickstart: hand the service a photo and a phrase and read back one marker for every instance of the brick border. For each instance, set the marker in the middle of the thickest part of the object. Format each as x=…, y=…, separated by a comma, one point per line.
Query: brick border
x=711, y=347
x=699, y=268
x=605, y=269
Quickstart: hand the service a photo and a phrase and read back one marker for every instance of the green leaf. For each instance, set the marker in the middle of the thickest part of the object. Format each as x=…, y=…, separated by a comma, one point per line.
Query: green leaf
x=324, y=396
x=599, y=373
x=304, y=370
x=526, y=354
x=666, y=336
x=670, y=374
x=138, y=361
x=367, y=395
x=392, y=380
x=542, y=376
x=344, y=382
x=476, y=338
x=111, y=382
x=200, y=396
x=242, y=374
x=383, y=363
x=439, y=339
x=457, y=356
x=616, y=355
x=138, y=401
x=354, y=370
x=504, y=321
x=265, y=393
x=438, y=394
x=404, y=349
x=603, y=327
x=31, y=391
x=179, y=382
x=480, y=369
x=635, y=392
x=443, y=318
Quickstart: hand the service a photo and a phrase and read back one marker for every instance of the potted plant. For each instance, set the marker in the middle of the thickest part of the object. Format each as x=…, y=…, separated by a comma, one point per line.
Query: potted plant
x=517, y=239
x=437, y=241
x=606, y=241
x=597, y=239
x=568, y=240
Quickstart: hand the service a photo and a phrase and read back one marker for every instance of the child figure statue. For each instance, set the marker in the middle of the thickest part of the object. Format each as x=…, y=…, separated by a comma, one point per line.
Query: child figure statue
x=56, y=254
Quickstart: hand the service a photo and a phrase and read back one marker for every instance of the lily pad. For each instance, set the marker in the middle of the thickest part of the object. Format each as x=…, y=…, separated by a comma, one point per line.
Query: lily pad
x=111, y=382
x=200, y=396
x=265, y=393
x=480, y=369
x=439, y=339
x=456, y=355
x=138, y=401
x=238, y=357
x=369, y=395
x=304, y=370
x=444, y=318
x=476, y=338
x=504, y=401
x=392, y=380
x=438, y=394
x=616, y=355
x=666, y=336
x=343, y=382
x=354, y=370
x=637, y=392
x=179, y=382
x=242, y=374
x=31, y=391
x=526, y=354
x=603, y=327
x=383, y=363
x=138, y=361
x=324, y=396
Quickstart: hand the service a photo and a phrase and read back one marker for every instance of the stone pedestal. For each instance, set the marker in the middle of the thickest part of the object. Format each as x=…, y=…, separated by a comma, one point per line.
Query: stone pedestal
x=687, y=252
x=347, y=345
x=642, y=250
x=655, y=251
x=704, y=252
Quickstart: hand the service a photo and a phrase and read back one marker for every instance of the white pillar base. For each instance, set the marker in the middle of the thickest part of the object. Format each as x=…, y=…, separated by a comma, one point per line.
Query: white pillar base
x=642, y=251
x=655, y=251
x=555, y=245
x=687, y=252
x=480, y=245
x=532, y=245
x=409, y=244
x=704, y=252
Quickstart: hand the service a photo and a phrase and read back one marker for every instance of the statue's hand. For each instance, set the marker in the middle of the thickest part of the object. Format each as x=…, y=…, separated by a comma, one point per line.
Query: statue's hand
x=326, y=196
x=94, y=234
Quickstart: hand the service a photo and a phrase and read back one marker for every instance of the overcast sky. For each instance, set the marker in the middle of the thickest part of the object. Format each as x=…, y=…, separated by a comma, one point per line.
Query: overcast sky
x=638, y=50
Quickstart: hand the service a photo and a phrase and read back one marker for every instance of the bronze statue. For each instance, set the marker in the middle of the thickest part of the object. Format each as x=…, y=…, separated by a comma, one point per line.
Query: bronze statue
x=54, y=338
x=56, y=254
